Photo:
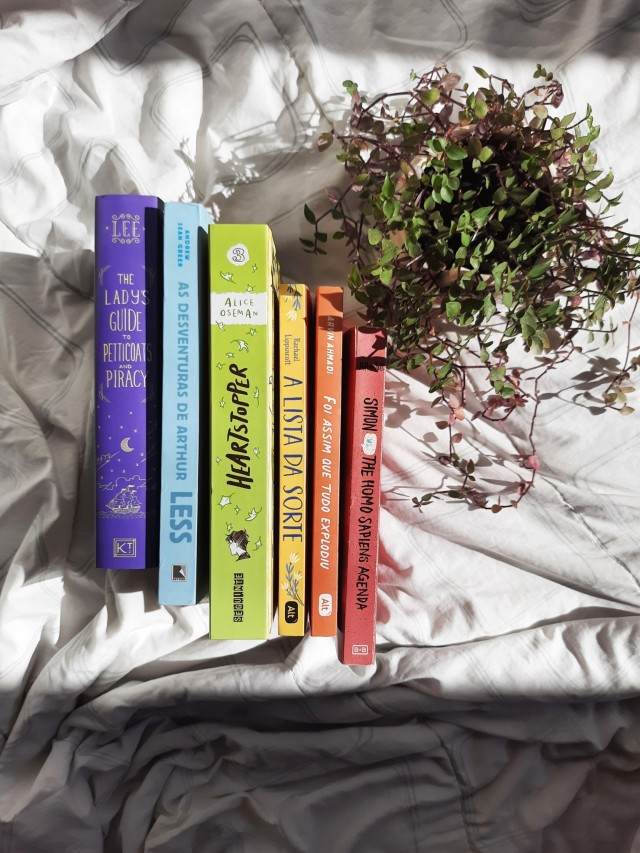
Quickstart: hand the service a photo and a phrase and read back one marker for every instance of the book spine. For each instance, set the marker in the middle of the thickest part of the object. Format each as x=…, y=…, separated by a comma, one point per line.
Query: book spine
x=325, y=517
x=185, y=278
x=243, y=281
x=364, y=405
x=127, y=376
x=293, y=417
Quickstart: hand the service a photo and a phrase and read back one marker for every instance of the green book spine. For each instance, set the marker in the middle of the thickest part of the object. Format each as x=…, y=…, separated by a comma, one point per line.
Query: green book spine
x=244, y=281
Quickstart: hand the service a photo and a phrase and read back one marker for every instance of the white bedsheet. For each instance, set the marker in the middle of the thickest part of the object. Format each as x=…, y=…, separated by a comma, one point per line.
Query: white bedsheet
x=503, y=712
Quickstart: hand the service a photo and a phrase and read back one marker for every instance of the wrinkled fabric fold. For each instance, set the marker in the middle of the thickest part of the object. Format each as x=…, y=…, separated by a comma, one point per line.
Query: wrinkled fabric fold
x=502, y=712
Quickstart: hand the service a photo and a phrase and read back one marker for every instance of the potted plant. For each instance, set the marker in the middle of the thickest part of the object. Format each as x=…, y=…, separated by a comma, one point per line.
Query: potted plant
x=479, y=225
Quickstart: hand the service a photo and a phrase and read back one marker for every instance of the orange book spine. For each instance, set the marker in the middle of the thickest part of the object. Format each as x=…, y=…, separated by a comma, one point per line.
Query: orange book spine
x=326, y=462
x=364, y=371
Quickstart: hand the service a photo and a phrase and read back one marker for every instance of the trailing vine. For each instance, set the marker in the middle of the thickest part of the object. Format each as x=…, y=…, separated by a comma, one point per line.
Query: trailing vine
x=479, y=225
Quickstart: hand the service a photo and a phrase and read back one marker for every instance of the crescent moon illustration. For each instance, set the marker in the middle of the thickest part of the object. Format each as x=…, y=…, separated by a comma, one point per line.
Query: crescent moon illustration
x=124, y=444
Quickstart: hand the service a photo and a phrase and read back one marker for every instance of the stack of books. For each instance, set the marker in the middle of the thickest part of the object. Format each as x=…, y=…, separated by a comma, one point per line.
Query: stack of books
x=238, y=428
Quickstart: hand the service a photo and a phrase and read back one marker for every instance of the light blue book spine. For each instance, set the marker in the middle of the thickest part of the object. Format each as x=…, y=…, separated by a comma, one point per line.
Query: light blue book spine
x=184, y=439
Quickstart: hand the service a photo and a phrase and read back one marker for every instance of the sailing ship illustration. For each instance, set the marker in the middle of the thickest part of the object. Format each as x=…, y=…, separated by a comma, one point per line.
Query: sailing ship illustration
x=125, y=502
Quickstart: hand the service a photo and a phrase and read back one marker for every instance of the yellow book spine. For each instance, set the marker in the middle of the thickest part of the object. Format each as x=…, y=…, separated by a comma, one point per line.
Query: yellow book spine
x=293, y=416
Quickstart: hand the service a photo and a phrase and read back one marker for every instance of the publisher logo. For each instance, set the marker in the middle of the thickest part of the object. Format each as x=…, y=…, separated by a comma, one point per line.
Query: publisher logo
x=360, y=650
x=291, y=612
x=325, y=604
x=369, y=443
x=124, y=547
x=178, y=572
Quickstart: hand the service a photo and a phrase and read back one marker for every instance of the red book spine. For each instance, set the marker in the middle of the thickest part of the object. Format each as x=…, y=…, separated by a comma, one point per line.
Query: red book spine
x=365, y=359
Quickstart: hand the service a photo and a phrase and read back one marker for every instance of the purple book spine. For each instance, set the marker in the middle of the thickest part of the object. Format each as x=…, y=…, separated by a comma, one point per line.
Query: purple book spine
x=127, y=359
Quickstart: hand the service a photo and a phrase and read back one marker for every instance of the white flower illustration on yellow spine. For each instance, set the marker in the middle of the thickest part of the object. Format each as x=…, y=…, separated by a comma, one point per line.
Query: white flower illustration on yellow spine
x=291, y=584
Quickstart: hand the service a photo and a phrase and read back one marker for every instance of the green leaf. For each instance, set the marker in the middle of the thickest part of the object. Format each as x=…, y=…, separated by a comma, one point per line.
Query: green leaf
x=481, y=72
x=480, y=108
x=446, y=194
x=567, y=216
x=309, y=215
x=606, y=182
x=389, y=252
x=497, y=273
x=354, y=281
x=528, y=324
x=481, y=215
x=386, y=275
x=453, y=310
x=430, y=97
x=388, y=188
x=350, y=86
x=548, y=312
x=456, y=152
x=538, y=270
x=445, y=370
x=415, y=361
x=375, y=236
x=488, y=307
x=413, y=247
x=486, y=153
x=540, y=341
